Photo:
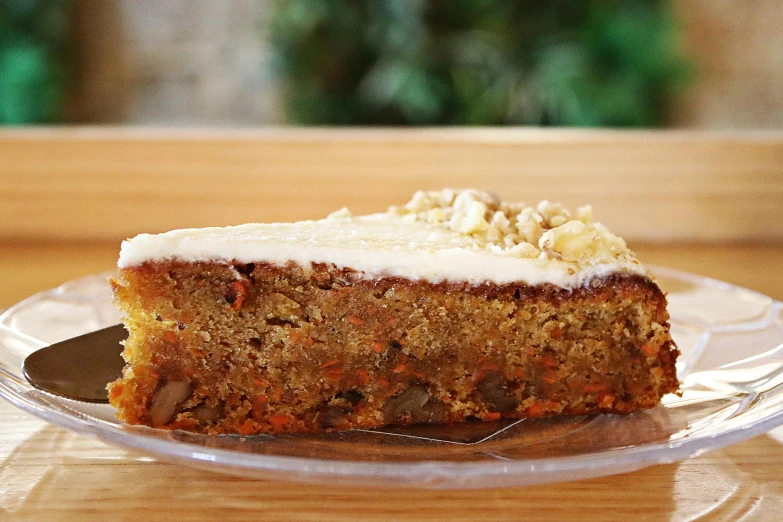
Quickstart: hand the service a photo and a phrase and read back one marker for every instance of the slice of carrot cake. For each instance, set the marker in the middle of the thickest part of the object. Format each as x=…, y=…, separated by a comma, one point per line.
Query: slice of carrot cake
x=456, y=306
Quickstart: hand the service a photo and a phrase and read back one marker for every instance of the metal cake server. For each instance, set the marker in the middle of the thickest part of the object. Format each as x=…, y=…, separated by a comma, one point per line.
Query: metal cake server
x=79, y=368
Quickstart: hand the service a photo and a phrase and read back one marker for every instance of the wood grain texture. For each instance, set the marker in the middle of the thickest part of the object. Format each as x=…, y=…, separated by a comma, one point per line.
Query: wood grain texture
x=47, y=473
x=108, y=184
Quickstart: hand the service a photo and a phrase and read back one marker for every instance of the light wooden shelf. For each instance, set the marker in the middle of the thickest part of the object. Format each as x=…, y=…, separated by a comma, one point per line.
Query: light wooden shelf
x=108, y=184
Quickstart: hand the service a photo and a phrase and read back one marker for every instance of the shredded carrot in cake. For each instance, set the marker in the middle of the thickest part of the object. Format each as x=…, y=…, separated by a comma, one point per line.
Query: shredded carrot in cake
x=241, y=294
x=279, y=420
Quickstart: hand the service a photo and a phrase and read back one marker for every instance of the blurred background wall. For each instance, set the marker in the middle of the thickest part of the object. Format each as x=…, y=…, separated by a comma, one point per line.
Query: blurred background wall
x=736, y=47
x=176, y=62
x=712, y=64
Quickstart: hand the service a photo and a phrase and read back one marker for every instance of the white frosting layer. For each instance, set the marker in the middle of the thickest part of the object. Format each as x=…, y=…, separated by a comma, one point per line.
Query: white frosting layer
x=379, y=245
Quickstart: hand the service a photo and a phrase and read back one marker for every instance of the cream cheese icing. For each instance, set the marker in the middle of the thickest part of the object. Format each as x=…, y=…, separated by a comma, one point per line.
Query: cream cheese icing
x=447, y=235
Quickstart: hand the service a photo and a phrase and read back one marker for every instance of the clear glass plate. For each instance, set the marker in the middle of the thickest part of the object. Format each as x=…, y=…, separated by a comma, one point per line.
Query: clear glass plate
x=731, y=370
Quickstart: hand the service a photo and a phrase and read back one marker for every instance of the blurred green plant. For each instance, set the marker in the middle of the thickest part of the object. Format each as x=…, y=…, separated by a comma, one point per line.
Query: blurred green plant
x=33, y=46
x=478, y=62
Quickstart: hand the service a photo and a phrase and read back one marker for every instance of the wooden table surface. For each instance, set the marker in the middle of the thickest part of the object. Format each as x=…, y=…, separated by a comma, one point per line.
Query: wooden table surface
x=47, y=473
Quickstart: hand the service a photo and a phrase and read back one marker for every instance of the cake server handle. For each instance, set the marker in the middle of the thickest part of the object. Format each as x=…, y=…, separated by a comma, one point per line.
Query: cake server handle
x=79, y=368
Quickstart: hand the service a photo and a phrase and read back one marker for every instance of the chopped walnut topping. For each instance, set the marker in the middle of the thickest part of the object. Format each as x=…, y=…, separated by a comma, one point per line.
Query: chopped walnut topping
x=340, y=214
x=548, y=231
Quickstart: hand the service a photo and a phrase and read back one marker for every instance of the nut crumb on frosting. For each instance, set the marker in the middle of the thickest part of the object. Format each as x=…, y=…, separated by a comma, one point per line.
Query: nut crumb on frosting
x=548, y=231
x=340, y=214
